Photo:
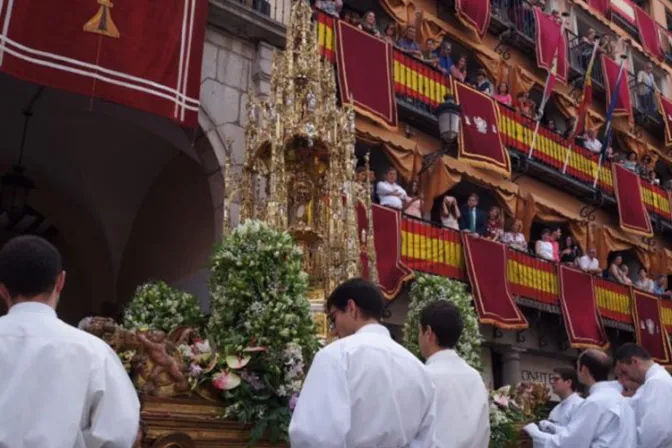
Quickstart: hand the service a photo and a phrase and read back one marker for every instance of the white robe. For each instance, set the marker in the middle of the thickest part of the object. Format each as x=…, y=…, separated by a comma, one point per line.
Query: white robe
x=61, y=387
x=563, y=411
x=604, y=420
x=365, y=391
x=652, y=404
x=462, y=409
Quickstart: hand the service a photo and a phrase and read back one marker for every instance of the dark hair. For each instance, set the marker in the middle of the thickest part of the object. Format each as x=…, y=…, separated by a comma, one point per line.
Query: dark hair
x=597, y=363
x=473, y=195
x=365, y=294
x=445, y=321
x=29, y=266
x=567, y=374
x=390, y=168
x=360, y=169
x=630, y=350
x=545, y=232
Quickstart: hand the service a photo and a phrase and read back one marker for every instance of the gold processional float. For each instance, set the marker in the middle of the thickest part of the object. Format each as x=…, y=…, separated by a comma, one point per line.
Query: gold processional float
x=298, y=176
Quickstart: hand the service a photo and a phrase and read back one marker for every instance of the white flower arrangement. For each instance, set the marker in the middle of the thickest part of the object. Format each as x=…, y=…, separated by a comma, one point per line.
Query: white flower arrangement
x=159, y=306
x=262, y=326
x=430, y=288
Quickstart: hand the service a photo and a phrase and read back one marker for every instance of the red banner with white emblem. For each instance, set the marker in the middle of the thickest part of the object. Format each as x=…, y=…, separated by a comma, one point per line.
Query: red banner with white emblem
x=140, y=53
x=480, y=142
x=649, y=327
x=665, y=107
x=474, y=14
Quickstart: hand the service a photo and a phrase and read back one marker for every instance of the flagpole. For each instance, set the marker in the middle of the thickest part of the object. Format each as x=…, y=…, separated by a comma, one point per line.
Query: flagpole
x=607, y=130
x=589, y=73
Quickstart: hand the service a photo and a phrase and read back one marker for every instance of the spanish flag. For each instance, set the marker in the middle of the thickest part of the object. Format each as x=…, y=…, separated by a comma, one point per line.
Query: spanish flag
x=587, y=96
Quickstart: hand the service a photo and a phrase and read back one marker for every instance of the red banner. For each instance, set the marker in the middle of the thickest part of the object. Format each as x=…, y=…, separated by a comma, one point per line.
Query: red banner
x=475, y=14
x=601, y=6
x=649, y=328
x=632, y=213
x=480, y=142
x=665, y=107
x=625, y=9
x=610, y=70
x=140, y=54
x=392, y=272
x=648, y=32
x=549, y=40
x=366, y=74
x=486, y=265
x=579, y=310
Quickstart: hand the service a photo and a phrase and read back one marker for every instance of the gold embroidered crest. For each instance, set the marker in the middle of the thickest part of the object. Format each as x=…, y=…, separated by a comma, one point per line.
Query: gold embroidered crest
x=102, y=22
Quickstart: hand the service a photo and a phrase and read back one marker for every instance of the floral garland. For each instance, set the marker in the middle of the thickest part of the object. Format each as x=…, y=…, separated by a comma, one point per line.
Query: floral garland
x=431, y=288
x=157, y=305
x=262, y=326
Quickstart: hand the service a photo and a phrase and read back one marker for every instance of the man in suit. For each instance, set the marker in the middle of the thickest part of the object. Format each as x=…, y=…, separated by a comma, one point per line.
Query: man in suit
x=472, y=218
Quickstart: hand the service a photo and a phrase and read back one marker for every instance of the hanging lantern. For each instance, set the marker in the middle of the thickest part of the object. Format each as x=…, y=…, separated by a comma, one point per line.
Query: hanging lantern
x=449, y=115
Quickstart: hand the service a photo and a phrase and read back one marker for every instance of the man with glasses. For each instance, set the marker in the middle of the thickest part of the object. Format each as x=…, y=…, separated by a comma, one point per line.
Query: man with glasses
x=363, y=390
x=564, y=383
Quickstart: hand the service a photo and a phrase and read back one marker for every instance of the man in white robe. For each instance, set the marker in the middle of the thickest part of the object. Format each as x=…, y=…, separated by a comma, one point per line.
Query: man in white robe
x=363, y=390
x=564, y=383
x=462, y=408
x=604, y=420
x=652, y=402
x=59, y=386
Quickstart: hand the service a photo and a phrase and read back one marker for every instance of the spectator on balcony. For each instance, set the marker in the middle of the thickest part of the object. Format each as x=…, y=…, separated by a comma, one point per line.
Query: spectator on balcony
x=413, y=206
x=615, y=272
x=591, y=143
x=392, y=32
x=391, y=194
x=472, y=219
x=503, y=95
x=483, y=84
x=459, y=70
x=607, y=46
x=589, y=262
x=588, y=40
x=450, y=213
x=352, y=18
x=626, y=278
x=495, y=227
x=556, y=234
x=570, y=252
x=431, y=54
x=445, y=60
x=570, y=125
x=543, y=247
x=408, y=43
x=363, y=184
x=332, y=7
x=646, y=89
x=550, y=124
x=631, y=162
x=653, y=178
x=374, y=192
x=515, y=238
x=643, y=281
x=557, y=18
x=660, y=287
x=644, y=166
x=369, y=24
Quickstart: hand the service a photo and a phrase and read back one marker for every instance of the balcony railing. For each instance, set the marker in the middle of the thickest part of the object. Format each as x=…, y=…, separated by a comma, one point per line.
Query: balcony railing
x=518, y=14
x=430, y=248
x=579, y=58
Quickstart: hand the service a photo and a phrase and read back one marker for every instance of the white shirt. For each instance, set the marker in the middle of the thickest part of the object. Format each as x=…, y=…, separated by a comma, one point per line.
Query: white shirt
x=365, y=391
x=563, y=411
x=462, y=412
x=385, y=192
x=589, y=264
x=61, y=387
x=652, y=404
x=593, y=145
x=544, y=249
x=604, y=420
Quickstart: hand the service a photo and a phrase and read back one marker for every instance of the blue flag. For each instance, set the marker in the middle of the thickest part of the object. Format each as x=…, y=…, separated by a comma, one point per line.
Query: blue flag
x=610, y=112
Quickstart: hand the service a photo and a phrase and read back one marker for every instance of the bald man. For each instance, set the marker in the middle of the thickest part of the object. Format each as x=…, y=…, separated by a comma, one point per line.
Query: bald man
x=604, y=419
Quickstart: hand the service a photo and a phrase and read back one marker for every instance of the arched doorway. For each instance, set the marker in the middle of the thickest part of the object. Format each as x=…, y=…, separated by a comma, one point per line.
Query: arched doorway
x=125, y=195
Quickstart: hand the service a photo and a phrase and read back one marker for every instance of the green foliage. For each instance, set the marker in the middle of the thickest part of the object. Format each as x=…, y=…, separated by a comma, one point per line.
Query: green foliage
x=157, y=305
x=430, y=288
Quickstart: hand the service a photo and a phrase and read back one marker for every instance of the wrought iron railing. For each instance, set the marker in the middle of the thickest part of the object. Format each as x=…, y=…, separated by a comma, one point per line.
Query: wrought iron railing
x=644, y=101
x=517, y=13
x=579, y=58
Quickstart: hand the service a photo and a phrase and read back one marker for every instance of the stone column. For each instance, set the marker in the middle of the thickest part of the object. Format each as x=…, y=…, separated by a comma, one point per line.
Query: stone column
x=511, y=366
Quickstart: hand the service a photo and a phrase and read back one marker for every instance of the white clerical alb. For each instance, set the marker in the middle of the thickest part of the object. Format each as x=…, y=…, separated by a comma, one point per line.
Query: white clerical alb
x=365, y=391
x=562, y=412
x=604, y=420
x=652, y=404
x=462, y=409
x=61, y=387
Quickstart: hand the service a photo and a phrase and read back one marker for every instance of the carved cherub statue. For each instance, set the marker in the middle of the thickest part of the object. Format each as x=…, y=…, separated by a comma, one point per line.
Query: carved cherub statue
x=106, y=329
x=158, y=367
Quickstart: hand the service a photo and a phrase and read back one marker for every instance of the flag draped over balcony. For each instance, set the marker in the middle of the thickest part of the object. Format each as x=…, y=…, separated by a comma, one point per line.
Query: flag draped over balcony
x=392, y=272
x=139, y=54
x=486, y=266
x=632, y=213
x=649, y=328
x=366, y=74
x=579, y=310
x=480, y=142
x=665, y=107
x=474, y=14
x=601, y=6
x=648, y=32
x=551, y=40
x=618, y=93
